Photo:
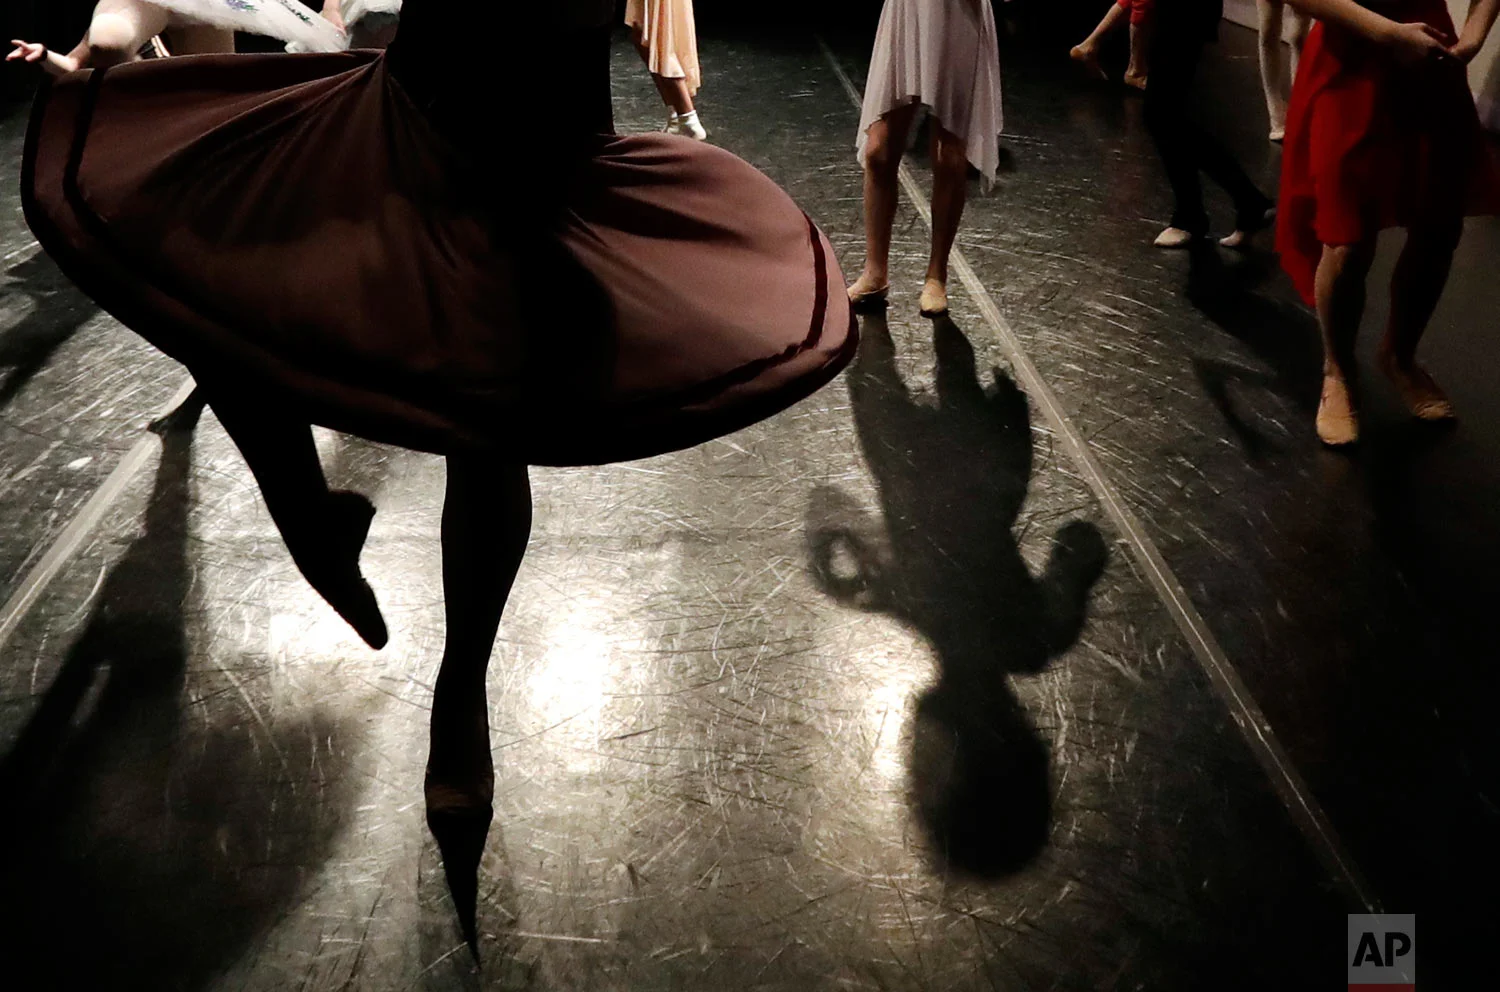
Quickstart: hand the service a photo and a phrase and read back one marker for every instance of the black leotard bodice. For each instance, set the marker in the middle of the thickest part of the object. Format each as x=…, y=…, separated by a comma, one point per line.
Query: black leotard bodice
x=490, y=73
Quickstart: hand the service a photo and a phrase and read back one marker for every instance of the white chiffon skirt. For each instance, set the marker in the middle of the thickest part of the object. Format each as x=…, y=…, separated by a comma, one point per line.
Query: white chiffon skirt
x=944, y=55
x=288, y=20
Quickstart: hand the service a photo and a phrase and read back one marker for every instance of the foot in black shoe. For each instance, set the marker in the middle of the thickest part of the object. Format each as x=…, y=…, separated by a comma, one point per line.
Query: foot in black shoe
x=335, y=573
x=459, y=818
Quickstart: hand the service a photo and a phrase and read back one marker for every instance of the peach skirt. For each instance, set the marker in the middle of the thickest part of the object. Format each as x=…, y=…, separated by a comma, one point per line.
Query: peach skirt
x=666, y=29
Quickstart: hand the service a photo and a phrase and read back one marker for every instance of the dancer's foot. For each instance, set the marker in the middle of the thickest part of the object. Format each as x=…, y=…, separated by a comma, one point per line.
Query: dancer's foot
x=934, y=299
x=686, y=125
x=1248, y=225
x=1278, y=135
x=1137, y=80
x=1175, y=237
x=1419, y=391
x=335, y=573
x=460, y=818
x=1338, y=423
x=1088, y=57
x=869, y=292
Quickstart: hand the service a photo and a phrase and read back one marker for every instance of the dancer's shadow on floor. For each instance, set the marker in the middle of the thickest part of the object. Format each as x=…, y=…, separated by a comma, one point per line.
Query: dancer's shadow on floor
x=57, y=311
x=944, y=560
x=154, y=828
x=1283, y=336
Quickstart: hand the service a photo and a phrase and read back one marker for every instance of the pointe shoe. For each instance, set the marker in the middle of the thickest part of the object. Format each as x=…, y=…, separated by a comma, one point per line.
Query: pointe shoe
x=686, y=125
x=934, y=299
x=1175, y=237
x=1089, y=60
x=335, y=573
x=460, y=819
x=1338, y=424
x=1278, y=135
x=1419, y=391
x=864, y=298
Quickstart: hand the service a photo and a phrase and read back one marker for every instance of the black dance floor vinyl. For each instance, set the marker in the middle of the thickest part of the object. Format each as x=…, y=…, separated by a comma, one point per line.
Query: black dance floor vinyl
x=894, y=691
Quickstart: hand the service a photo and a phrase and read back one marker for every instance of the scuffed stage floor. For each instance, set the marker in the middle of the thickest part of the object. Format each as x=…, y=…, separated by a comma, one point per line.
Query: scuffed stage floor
x=876, y=694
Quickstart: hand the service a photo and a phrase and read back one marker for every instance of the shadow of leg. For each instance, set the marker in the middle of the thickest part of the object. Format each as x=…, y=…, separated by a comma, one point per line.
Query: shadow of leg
x=981, y=778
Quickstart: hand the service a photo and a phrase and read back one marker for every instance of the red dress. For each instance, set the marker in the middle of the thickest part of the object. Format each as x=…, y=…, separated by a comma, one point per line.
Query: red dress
x=1371, y=144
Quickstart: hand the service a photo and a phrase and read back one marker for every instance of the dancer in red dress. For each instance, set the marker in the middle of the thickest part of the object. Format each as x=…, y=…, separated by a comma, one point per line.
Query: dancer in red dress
x=348, y=240
x=1382, y=132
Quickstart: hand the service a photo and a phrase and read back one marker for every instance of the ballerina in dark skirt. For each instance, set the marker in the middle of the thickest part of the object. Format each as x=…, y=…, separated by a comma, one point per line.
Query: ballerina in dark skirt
x=346, y=240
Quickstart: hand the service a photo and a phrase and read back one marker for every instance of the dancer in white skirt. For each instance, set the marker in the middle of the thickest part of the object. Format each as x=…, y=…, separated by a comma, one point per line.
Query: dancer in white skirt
x=1278, y=85
x=121, y=28
x=938, y=56
x=667, y=38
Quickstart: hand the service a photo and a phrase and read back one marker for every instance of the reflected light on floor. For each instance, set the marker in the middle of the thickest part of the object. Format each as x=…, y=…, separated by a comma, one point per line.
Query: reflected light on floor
x=567, y=686
x=887, y=711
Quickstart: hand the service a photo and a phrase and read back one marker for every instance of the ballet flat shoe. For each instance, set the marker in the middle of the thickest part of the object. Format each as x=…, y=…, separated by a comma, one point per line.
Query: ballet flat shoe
x=1423, y=397
x=934, y=299
x=1337, y=423
x=1174, y=238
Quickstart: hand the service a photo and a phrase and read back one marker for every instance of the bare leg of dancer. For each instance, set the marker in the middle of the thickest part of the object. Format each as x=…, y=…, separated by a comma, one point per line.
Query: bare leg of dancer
x=884, y=146
x=486, y=524
x=324, y=531
x=1416, y=286
x=950, y=187
x=1137, y=72
x=1340, y=294
x=1086, y=52
x=675, y=94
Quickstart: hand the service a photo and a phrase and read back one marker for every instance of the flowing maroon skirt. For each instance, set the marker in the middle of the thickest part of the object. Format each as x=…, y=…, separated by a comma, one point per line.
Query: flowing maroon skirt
x=1371, y=144
x=293, y=227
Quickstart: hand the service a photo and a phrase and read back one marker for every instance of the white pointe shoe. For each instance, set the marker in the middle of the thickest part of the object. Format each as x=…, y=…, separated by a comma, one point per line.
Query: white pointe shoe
x=686, y=125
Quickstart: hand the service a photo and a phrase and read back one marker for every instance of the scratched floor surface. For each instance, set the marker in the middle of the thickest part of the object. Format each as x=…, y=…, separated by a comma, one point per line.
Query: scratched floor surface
x=872, y=695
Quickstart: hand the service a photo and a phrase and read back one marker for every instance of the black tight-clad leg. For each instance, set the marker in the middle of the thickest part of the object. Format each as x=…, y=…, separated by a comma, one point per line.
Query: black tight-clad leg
x=1187, y=150
x=324, y=530
x=486, y=524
